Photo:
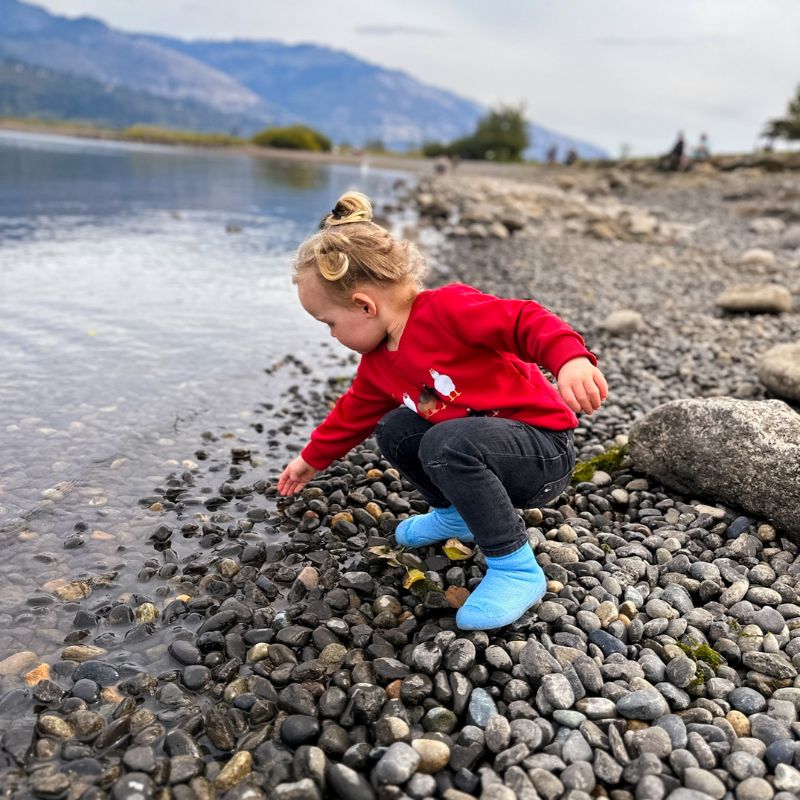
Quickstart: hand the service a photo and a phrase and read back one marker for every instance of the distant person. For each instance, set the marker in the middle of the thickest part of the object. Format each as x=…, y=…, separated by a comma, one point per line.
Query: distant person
x=442, y=165
x=703, y=150
x=449, y=382
x=571, y=157
x=552, y=154
x=673, y=160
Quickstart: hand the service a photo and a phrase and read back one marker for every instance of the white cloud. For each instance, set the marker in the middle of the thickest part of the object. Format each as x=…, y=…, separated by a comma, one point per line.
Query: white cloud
x=397, y=30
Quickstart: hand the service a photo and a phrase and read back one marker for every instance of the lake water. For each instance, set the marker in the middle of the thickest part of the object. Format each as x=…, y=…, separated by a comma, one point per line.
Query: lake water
x=144, y=291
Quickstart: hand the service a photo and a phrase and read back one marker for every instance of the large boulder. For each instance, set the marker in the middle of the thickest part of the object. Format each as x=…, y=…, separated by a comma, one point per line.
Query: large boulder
x=779, y=370
x=742, y=452
x=766, y=298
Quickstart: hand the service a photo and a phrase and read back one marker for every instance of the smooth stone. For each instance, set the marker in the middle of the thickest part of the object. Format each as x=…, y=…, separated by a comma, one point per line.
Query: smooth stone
x=184, y=652
x=497, y=733
x=396, y=765
x=100, y=672
x=481, y=708
x=238, y=767
x=607, y=643
x=779, y=370
x=557, y=691
x=433, y=754
x=645, y=704
x=575, y=748
x=754, y=789
x=747, y=700
x=299, y=729
x=304, y=789
x=704, y=781
x=347, y=784
x=133, y=786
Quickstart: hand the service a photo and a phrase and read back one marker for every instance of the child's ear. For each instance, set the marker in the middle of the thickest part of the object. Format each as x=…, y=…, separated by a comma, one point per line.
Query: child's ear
x=365, y=303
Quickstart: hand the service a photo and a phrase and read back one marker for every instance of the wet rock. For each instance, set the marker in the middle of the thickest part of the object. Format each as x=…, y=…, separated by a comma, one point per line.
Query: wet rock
x=17, y=663
x=299, y=729
x=347, y=784
x=133, y=786
x=237, y=768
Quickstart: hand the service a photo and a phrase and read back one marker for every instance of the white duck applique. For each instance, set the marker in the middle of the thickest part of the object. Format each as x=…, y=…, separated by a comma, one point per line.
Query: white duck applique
x=408, y=402
x=444, y=385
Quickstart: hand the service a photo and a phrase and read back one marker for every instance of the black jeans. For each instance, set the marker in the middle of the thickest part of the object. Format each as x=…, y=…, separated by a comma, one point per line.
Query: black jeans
x=485, y=466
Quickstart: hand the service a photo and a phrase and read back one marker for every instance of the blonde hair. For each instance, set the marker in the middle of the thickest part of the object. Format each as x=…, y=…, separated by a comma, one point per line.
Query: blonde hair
x=351, y=249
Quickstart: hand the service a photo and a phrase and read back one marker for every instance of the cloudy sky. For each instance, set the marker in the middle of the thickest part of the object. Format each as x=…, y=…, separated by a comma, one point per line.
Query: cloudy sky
x=607, y=71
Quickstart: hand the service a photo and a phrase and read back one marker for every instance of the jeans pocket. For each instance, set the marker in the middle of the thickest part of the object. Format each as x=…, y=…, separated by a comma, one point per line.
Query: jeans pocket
x=549, y=491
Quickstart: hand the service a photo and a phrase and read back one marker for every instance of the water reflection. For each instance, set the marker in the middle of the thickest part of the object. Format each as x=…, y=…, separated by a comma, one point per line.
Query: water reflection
x=143, y=291
x=292, y=174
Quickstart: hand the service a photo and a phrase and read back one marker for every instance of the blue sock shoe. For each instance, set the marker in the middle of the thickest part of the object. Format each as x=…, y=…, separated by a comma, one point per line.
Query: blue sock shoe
x=438, y=525
x=512, y=584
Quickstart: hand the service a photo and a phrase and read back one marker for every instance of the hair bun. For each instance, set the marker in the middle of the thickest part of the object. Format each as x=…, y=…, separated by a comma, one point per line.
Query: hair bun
x=350, y=207
x=333, y=265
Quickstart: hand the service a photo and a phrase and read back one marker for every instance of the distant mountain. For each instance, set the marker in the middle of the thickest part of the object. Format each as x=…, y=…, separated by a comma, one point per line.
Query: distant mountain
x=241, y=85
x=27, y=90
x=350, y=99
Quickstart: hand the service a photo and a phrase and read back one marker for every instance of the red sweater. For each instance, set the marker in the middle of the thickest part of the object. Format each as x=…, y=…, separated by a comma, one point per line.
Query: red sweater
x=461, y=353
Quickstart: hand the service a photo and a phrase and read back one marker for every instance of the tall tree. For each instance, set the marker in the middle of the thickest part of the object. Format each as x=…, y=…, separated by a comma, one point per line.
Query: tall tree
x=787, y=127
x=501, y=135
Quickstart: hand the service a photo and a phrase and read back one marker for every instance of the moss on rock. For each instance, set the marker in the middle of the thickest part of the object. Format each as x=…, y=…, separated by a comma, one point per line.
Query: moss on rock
x=609, y=462
x=702, y=653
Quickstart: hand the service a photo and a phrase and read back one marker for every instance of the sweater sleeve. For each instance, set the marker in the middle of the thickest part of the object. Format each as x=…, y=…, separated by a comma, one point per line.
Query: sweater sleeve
x=522, y=327
x=349, y=422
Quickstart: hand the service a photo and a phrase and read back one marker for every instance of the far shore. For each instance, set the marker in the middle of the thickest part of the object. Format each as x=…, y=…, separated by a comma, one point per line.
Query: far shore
x=378, y=160
x=220, y=143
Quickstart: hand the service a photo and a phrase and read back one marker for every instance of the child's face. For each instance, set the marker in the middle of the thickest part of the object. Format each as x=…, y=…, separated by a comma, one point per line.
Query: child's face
x=357, y=328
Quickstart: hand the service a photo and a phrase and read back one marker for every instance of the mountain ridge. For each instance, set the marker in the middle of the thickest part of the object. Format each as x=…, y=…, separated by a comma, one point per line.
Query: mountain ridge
x=248, y=83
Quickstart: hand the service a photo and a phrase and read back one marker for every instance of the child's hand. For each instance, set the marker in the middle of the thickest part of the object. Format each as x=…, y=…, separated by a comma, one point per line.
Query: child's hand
x=295, y=476
x=582, y=385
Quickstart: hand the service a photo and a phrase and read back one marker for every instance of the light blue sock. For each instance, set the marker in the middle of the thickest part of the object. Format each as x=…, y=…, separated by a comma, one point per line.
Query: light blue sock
x=512, y=584
x=438, y=525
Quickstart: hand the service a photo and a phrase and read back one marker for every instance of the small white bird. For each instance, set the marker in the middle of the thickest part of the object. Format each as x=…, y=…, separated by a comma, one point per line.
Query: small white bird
x=443, y=384
x=407, y=401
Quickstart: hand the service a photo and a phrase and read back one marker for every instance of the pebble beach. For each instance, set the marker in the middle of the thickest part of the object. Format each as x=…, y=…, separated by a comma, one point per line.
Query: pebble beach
x=299, y=653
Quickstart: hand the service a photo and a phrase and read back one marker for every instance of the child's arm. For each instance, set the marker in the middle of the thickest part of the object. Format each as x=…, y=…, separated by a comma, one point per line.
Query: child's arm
x=351, y=420
x=582, y=385
x=529, y=331
x=295, y=476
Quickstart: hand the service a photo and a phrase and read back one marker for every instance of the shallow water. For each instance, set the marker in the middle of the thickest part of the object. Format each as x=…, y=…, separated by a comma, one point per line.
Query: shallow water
x=143, y=293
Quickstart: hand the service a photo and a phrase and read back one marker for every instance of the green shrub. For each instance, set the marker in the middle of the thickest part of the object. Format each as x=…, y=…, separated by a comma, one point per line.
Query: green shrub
x=293, y=137
x=435, y=149
x=501, y=135
x=159, y=135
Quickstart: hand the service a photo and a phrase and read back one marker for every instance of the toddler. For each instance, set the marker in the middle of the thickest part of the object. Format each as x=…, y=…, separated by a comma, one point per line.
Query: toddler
x=449, y=378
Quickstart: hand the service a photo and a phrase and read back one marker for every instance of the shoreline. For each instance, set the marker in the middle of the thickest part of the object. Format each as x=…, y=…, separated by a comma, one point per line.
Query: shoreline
x=303, y=667
x=788, y=160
